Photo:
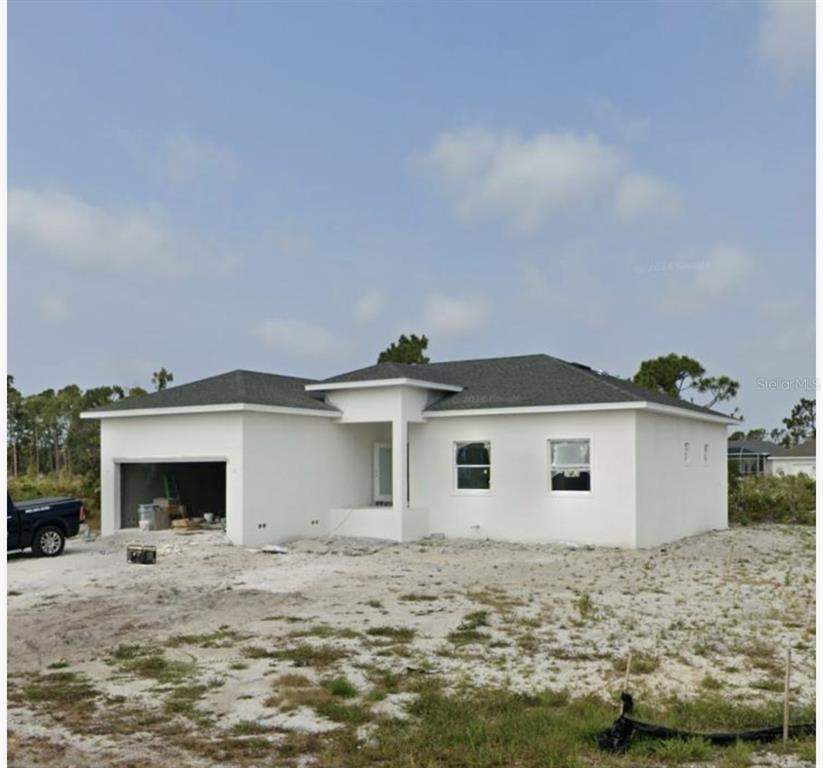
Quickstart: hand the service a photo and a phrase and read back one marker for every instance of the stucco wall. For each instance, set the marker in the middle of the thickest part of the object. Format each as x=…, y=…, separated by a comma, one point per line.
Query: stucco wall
x=297, y=468
x=792, y=466
x=676, y=498
x=520, y=506
x=191, y=437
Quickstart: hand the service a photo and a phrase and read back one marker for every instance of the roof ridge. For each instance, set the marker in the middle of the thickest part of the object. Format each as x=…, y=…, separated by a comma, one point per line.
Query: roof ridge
x=486, y=359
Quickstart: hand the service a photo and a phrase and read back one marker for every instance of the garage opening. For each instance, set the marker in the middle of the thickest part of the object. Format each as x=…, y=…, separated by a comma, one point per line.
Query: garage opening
x=200, y=486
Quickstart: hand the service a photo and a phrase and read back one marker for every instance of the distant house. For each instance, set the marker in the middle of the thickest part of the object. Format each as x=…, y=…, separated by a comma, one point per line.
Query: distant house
x=751, y=457
x=762, y=457
x=527, y=448
x=799, y=459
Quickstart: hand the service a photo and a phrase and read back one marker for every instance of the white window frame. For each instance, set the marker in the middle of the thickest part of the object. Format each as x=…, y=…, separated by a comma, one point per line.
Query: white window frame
x=588, y=466
x=471, y=491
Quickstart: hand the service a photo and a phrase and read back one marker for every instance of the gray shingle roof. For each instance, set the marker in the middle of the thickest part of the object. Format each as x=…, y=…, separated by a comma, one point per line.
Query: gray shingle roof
x=804, y=449
x=753, y=446
x=229, y=388
x=498, y=382
x=527, y=380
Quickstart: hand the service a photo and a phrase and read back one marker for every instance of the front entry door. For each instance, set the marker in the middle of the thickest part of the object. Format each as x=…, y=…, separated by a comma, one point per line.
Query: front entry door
x=382, y=473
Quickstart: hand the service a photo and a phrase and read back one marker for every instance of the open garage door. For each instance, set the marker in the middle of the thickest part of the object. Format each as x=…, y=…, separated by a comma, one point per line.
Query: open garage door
x=199, y=485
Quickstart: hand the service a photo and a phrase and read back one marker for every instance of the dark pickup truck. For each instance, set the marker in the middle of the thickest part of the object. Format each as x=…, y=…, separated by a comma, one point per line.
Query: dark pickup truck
x=43, y=524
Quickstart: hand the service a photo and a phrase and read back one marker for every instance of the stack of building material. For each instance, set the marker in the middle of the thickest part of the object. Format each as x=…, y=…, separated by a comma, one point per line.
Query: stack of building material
x=169, y=509
x=186, y=524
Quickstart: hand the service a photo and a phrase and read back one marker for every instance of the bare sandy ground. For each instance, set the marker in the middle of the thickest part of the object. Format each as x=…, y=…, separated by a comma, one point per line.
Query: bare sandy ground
x=712, y=612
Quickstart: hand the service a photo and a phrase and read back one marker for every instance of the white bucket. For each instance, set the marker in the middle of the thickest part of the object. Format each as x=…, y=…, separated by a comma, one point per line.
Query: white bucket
x=146, y=512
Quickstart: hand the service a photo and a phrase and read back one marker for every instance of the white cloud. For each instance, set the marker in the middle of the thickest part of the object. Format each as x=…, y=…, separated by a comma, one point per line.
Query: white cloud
x=63, y=226
x=189, y=159
x=525, y=180
x=297, y=337
x=696, y=284
x=455, y=316
x=520, y=179
x=369, y=306
x=786, y=36
x=54, y=309
x=640, y=195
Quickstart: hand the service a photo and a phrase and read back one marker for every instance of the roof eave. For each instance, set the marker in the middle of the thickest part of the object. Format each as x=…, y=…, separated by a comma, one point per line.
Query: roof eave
x=181, y=410
x=578, y=407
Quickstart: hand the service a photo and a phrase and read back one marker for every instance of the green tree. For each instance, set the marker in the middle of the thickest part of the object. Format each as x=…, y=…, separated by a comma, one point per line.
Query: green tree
x=800, y=422
x=676, y=375
x=407, y=349
x=756, y=434
x=138, y=391
x=161, y=379
x=15, y=424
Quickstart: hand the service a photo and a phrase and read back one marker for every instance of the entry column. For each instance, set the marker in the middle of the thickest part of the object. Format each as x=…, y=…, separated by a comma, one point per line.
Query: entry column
x=400, y=485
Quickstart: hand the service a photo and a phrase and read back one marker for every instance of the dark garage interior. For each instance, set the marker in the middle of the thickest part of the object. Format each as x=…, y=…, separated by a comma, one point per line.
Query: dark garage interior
x=200, y=486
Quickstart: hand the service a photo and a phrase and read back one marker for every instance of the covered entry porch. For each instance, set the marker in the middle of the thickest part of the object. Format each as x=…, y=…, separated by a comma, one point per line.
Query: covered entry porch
x=388, y=513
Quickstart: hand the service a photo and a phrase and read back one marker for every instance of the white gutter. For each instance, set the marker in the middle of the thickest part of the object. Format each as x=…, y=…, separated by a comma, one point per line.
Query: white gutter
x=534, y=409
x=193, y=409
x=400, y=382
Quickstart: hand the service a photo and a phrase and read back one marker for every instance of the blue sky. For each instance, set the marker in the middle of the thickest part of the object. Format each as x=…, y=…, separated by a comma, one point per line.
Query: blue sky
x=288, y=187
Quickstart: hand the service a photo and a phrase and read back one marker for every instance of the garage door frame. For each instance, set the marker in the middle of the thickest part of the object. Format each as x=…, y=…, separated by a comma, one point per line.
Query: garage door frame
x=118, y=476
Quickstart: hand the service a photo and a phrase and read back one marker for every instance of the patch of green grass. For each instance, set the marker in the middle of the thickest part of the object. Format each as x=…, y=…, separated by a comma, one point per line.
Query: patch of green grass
x=678, y=750
x=61, y=664
x=248, y=728
x=325, y=631
x=396, y=634
x=14, y=593
x=585, y=606
x=417, y=597
x=340, y=687
x=495, y=597
x=709, y=683
x=468, y=631
x=374, y=604
x=642, y=664
x=150, y=662
x=220, y=638
x=308, y=655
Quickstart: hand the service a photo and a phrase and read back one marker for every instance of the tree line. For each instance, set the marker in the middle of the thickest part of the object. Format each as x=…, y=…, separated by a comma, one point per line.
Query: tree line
x=44, y=431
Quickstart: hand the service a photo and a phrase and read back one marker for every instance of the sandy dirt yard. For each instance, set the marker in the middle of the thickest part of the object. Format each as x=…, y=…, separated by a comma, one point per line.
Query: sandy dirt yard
x=219, y=655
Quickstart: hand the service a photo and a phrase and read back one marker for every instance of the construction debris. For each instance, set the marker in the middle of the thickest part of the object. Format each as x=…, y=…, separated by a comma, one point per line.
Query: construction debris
x=625, y=730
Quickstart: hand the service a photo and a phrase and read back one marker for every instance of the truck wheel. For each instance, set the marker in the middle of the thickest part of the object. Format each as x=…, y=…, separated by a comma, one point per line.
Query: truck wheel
x=48, y=541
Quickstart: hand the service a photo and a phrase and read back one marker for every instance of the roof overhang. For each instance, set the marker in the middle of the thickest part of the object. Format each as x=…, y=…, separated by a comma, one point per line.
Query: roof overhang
x=222, y=408
x=577, y=408
x=374, y=383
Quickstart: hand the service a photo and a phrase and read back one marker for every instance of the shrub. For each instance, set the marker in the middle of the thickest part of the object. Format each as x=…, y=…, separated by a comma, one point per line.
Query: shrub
x=772, y=499
x=31, y=486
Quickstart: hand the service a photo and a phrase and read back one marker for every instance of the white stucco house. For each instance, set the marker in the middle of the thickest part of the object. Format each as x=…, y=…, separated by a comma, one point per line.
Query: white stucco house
x=528, y=448
x=762, y=457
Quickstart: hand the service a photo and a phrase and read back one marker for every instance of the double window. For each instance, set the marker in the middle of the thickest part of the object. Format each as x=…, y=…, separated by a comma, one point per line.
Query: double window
x=472, y=466
x=570, y=465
